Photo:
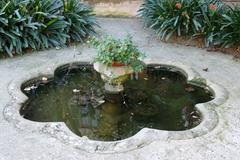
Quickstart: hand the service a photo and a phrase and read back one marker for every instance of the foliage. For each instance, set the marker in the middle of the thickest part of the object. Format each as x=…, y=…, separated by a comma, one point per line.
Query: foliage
x=50, y=32
x=39, y=24
x=81, y=20
x=121, y=51
x=172, y=16
x=10, y=24
x=211, y=15
x=216, y=22
x=230, y=30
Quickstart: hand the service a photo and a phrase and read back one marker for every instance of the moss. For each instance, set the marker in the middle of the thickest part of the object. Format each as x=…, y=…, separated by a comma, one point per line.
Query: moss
x=197, y=81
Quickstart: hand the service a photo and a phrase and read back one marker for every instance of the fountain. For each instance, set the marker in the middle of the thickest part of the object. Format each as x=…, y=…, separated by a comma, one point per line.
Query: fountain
x=114, y=77
x=159, y=98
x=101, y=102
x=116, y=59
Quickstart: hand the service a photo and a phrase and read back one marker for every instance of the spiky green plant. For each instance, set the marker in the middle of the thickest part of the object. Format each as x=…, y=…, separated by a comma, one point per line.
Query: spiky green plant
x=211, y=15
x=211, y=19
x=11, y=23
x=81, y=20
x=49, y=14
x=230, y=28
x=39, y=24
x=171, y=16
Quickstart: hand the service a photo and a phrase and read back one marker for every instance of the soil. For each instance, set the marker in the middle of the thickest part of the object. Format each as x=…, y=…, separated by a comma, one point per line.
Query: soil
x=199, y=42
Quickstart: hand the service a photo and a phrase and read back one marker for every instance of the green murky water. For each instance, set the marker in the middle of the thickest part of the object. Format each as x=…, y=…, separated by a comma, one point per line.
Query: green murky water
x=157, y=98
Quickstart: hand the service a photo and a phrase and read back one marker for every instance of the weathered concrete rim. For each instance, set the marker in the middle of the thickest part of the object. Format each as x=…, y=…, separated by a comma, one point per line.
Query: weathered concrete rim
x=61, y=132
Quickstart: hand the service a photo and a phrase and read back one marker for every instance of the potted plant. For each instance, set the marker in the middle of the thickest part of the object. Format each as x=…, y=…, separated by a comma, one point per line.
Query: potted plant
x=116, y=59
x=117, y=53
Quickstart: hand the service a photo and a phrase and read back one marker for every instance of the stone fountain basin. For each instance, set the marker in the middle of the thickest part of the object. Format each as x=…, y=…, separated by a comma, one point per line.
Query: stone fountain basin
x=112, y=72
x=145, y=136
x=113, y=77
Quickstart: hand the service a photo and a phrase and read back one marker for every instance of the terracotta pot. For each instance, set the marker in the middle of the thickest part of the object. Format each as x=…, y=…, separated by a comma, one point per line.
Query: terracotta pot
x=116, y=64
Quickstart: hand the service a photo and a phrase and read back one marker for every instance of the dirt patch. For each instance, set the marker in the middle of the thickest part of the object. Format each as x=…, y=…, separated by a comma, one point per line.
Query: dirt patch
x=199, y=42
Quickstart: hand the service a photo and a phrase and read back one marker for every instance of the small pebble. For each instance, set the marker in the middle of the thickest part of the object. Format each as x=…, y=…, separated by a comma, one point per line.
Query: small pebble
x=195, y=117
x=44, y=79
x=76, y=91
x=27, y=89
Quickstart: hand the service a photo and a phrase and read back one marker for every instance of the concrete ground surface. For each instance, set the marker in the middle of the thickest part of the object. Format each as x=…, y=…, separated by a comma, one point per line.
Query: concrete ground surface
x=223, y=142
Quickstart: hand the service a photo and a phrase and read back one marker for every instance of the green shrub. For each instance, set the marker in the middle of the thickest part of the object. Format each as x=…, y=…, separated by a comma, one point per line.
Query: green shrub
x=11, y=23
x=213, y=20
x=39, y=24
x=112, y=51
x=81, y=20
x=211, y=15
x=230, y=30
x=172, y=16
x=51, y=32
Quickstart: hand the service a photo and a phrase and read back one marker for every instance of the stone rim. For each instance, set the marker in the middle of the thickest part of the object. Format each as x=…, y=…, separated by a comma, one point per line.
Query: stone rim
x=145, y=136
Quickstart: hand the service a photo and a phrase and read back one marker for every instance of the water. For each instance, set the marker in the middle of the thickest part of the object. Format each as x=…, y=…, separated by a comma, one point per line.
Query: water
x=157, y=98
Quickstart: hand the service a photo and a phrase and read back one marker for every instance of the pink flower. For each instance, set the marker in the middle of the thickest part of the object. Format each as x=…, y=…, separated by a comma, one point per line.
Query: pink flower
x=212, y=7
x=178, y=5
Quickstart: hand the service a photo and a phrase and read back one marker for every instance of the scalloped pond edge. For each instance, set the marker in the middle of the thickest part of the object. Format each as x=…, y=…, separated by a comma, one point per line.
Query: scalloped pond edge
x=60, y=131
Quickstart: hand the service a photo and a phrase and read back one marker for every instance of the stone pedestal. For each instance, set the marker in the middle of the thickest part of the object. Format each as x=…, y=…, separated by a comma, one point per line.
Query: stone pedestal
x=113, y=77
